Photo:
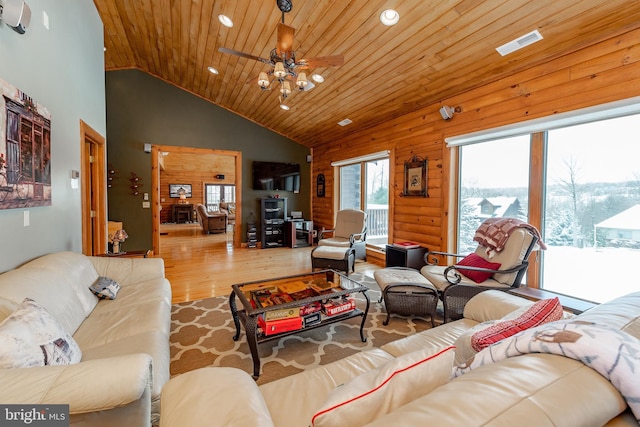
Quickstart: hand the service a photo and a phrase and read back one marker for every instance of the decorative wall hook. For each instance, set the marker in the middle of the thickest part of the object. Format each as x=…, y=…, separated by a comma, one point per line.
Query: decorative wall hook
x=112, y=174
x=136, y=184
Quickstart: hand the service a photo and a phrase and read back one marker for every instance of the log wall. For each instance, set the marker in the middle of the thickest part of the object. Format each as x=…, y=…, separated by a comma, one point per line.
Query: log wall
x=598, y=74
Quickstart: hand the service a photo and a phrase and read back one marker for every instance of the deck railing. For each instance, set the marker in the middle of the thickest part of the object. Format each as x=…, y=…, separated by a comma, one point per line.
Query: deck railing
x=377, y=224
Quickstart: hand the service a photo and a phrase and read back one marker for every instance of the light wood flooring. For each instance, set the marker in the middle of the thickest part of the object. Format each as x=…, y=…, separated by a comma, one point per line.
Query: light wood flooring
x=201, y=266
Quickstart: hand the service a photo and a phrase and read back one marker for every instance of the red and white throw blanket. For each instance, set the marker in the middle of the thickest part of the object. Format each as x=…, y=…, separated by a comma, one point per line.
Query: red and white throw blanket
x=614, y=354
x=493, y=233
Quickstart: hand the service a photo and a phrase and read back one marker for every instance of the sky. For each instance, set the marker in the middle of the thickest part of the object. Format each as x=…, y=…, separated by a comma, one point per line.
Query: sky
x=605, y=151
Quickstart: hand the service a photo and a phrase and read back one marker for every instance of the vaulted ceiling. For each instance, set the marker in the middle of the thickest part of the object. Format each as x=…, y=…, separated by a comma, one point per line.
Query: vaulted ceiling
x=440, y=48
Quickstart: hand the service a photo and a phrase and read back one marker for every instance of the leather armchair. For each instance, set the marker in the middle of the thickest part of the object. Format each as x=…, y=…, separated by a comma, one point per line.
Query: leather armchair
x=211, y=222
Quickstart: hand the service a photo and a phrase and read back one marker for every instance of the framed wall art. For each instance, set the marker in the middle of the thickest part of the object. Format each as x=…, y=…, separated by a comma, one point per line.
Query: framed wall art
x=320, y=185
x=176, y=189
x=25, y=150
x=415, y=177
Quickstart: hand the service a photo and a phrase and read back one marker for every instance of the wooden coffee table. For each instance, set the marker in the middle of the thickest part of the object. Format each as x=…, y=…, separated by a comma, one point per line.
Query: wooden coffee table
x=251, y=311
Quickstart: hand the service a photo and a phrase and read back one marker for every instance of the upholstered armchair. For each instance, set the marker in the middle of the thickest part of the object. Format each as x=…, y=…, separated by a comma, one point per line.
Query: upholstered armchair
x=229, y=208
x=350, y=232
x=211, y=222
x=500, y=262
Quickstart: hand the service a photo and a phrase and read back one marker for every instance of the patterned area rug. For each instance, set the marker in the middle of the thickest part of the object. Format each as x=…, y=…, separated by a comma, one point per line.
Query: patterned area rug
x=202, y=331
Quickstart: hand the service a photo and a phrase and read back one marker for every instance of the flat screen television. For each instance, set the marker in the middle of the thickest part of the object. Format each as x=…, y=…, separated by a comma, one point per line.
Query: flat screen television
x=276, y=176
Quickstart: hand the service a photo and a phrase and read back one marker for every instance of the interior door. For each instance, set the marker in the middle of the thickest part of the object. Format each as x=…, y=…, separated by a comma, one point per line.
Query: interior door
x=93, y=189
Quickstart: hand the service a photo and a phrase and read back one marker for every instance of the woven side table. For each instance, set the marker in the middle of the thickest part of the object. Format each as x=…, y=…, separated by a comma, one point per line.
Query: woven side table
x=406, y=292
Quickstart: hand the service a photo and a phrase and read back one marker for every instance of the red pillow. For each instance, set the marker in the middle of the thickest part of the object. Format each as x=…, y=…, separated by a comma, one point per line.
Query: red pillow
x=543, y=311
x=474, y=260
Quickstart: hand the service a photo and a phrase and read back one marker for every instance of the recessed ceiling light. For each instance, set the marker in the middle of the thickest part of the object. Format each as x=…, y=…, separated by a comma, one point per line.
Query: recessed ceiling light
x=389, y=17
x=345, y=122
x=317, y=78
x=225, y=20
x=284, y=107
x=213, y=70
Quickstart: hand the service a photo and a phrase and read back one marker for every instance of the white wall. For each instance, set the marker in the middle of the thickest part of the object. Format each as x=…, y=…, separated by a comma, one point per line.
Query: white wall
x=61, y=68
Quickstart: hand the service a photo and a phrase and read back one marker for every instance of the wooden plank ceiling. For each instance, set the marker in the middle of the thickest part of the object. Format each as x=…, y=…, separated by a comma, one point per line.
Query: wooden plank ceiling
x=439, y=48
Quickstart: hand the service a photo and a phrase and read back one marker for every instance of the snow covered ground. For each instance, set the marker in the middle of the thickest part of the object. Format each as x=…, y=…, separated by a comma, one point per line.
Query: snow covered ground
x=597, y=275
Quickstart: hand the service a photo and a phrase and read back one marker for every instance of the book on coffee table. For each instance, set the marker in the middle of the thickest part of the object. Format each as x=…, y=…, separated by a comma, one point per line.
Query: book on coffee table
x=282, y=313
x=339, y=306
x=272, y=327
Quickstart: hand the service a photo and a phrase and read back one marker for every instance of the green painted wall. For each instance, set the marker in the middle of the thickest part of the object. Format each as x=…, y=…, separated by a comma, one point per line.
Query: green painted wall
x=143, y=109
x=61, y=68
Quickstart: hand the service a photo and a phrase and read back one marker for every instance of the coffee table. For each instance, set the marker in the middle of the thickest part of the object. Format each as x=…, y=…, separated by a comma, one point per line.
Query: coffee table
x=250, y=313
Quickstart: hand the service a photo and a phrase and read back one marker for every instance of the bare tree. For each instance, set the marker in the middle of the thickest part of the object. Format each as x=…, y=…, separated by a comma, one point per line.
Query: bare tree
x=570, y=186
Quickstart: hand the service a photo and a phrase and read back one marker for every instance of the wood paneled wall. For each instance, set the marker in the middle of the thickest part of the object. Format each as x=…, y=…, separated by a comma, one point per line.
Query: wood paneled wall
x=195, y=169
x=605, y=72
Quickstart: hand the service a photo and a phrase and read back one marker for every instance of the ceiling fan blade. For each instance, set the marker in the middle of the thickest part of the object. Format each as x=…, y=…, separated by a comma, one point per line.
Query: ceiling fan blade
x=285, y=38
x=243, y=55
x=320, y=61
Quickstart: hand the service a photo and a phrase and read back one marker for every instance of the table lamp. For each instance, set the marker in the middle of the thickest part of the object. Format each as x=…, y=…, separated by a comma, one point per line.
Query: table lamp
x=118, y=237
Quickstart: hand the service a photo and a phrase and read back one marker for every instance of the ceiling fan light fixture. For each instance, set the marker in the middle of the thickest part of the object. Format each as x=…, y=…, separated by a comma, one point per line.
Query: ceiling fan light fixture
x=317, y=78
x=285, y=89
x=225, y=20
x=389, y=17
x=279, y=71
x=301, y=81
x=263, y=80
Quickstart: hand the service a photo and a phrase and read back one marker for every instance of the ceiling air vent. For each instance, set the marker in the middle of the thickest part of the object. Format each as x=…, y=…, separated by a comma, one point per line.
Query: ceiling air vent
x=519, y=43
x=345, y=122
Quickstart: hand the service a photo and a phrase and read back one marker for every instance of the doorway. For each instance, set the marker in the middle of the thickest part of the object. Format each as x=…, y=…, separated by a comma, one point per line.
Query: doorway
x=195, y=164
x=93, y=190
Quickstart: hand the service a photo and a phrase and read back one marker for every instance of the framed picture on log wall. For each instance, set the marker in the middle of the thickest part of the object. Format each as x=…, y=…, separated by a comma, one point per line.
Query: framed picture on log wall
x=176, y=189
x=415, y=177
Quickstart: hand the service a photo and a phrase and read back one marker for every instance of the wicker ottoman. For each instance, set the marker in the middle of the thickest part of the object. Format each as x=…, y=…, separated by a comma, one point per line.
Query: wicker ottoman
x=333, y=257
x=406, y=292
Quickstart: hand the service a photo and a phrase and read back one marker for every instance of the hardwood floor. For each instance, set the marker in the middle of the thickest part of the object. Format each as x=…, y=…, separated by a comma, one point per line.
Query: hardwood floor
x=201, y=266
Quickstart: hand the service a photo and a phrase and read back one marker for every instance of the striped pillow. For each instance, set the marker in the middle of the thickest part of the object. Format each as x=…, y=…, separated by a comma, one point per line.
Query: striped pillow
x=543, y=311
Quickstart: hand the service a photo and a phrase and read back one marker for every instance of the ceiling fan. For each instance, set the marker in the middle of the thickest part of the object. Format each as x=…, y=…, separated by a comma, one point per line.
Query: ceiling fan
x=283, y=62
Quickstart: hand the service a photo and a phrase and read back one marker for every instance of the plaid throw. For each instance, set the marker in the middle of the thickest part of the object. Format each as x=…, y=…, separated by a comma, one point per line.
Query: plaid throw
x=493, y=233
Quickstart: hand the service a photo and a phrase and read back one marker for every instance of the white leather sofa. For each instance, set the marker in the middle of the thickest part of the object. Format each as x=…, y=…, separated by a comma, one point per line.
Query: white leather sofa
x=124, y=342
x=531, y=390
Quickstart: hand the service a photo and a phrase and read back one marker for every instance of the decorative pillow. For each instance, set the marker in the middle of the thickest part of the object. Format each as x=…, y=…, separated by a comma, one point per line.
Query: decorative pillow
x=381, y=390
x=464, y=351
x=31, y=337
x=105, y=288
x=475, y=260
x=543, y=311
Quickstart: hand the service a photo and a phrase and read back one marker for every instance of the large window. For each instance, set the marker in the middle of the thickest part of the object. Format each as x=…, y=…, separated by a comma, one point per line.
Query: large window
x=216, y=193
x=588, y=186
x=372, y=175
x=592, y=209
x=494, y=182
